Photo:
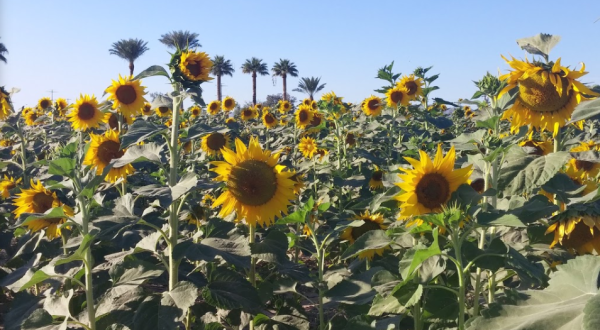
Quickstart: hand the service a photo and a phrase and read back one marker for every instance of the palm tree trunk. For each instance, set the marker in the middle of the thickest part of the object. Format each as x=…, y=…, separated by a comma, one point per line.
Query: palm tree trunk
x=219, y=96
x=311, y=96
x=131, y=68
x=284, y=77
x=254, y=88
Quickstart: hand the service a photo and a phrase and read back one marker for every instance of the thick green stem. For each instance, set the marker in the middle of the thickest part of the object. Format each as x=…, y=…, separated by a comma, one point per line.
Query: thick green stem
x=173, y=218
x=252, y=276
x=558, y=141
x=88, y=264
x=321, y=262
x=462, y=283
x=481, y=245
x=23, y=154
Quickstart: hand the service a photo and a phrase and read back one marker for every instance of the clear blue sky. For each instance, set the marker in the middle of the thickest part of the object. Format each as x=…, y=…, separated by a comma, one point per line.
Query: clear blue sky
x=63, y=45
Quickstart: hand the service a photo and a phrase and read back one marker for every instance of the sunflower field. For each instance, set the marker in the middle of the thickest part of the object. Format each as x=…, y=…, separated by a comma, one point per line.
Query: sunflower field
x=406, y=211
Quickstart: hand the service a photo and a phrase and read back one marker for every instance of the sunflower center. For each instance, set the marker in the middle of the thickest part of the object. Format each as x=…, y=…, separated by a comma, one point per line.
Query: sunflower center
x=86, y=111
x=433, y=190
x=365, y=227
x=163, y=109
x=194, y=68
x=247, y=112
x=316, y=121
x=41, y=202
x=286, y=105
x=269, y=119
x=113, y=121
x=214, y=106
x=9, y=185
x=146, y=109
x=580, y=237
x=216, y=141
x=252, y=182
x=584, y=165
x=540, y=95
x=538, y=150
x=396, y=96
x=44, y=104
x=126, y=94
x=411, y=87
x=373, y=104
x=478, y=185
x=350, y=139
x=228, y=103
x=377, y=175
x=109, y=150
x=303, y=116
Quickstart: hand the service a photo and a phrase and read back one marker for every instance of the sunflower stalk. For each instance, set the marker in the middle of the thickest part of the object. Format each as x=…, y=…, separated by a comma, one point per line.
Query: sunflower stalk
x=252, y=275
x=462, y=278
x=88, y=264
x=23, y=154
x=320, y=252
x=173, y=218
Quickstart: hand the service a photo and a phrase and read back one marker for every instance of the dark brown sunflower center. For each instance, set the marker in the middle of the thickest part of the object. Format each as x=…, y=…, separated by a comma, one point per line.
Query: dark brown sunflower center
x=377, y=175
x=269, y=119
x=163, y=109
x=147, y=109
x=286, y=105
x=584, y=165
x=113, y=121
x=538, y=150
x=365, y=227
x=216, y=141
x=303, y=116
x=259, y=106
x=228, y=103
x=580, y=238
x=214, y=106
x=350, y=139
x=109, y=150
x=195, y=112
x=411, y=87
x=316, y=121
x=433, y=190
x=396, y=96
x=44, y=104
x=373, y=104
x=126, y=94
x=41, y=202
x=247, y=113
x=34, y=117
x=541, y=95
x=478, y=185
x=194, y=68
x=252, y=182
x=86, y=111
x=306, y=102
x=9, y=185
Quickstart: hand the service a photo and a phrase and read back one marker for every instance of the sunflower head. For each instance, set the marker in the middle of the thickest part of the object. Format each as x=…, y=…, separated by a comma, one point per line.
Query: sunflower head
x=163, y=111
x=539, y=148
x=331, y=97
x=228, y=104
x=317, y=119
x=85, y=113
x=304, y=115
x=308, y=147
x=412, y=85
x=6, y=107
x=103, y=149
x=298, y=179
x=322, y=153
x=372, y=106
x=314, y=105
x=397, y=96
x=248, y=113
x=577, y=229
x=32, y=116
x=376, y=181
x=259, y=189
x=350, y=139
x=213, y=143
x=370, y=222
x=112, y=119
x=478, y=185
x=61, y=104
x=7, y=184
x=127, y=95
x=213, y=108
x=44, y=103
x=191, y=68
x=429, y=184
x=147, y=109
x=269, y=120
x=230, y=120
x=195, y=111
x=284, y=106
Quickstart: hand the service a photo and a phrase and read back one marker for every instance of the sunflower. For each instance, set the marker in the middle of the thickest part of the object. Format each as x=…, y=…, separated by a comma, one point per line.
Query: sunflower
x=31, y=117
x=228, y=104
x=540, y=148
x=298, y=179
x=397, y=96
x=112, y=119
x=370, y=222
x=468, y=112
x=586, y=168
x=443, y=107
x=283, y=121
x=147, y=109
x=376, y=181
x=413, y=87
x=308, y=147
x=548, y=94
x=322, y=153
x=372, y=106
x=248, y=113
x=478, y=184
x=5, y=104
x=44, y=103
x=195, y=111
x=195, y=66
x=127, y=95
x=85, y=113
x=103, y=149
x=350, y=139
x=576, y=231
x=38, y=199
x=304, y=115
x=284, y=106
x=61, y=104
x=269, y=120
x=259, y=189
x=7, y=184
x=214, y=108
x=428, y=186
x=331, y=97
x=314, y=105
x=213, y=143
x=317, y=119
x=307, y=102
x=230, y=120
x=163, y=111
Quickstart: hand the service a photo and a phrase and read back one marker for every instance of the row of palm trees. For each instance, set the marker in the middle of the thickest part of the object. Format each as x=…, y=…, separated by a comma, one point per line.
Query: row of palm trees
x=3, y=51
x=131, y=49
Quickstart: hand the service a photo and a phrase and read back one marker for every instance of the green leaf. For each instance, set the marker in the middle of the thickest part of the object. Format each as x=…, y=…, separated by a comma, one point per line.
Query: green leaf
x=79, y=254
x=489, y=123
x=138, y=274
x=423, y=254
x=499, y=219
x=199, y=129
x=272, y=249
x=536, y=173
x=151, y=314
x=38, y=319
x=38, y=277
x=154, y=70
x=540, y=44
x=183, y=296
x=155, y=191
x=386, y=305
x=236, y=252
x=371, y=240
x=585, y=110
x=355, y=289
x=228, y=290
x=185, y=185
x=63, y=167
x=569, y=302
x=280, y=322
x=148, y=152
x=296, y=217
x=408, y=292
x=139, y=131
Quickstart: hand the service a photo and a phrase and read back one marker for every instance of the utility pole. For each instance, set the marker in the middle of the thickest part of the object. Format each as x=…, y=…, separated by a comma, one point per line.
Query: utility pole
x=52, y=94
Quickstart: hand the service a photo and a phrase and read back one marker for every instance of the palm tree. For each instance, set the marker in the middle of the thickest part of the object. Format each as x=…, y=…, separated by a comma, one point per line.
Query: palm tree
x=309, y=86
x=129, y=50
x=221, y=67
x=180, y=39
x=255, y=66
x=282, y=69
x=2, y=51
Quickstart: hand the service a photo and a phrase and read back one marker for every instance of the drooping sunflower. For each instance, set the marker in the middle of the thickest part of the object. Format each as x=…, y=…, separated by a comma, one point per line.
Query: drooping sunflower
x=147, y=109
x=577, y=229
x=230, y=120
x=214, y=108
x=228, y=104
x=259, y=189
x=284, y=106
x=548, y=94
x=477, y=184
x=350, y=139
x=127, y=95
x=32, y=116
x=195, y=111
x=304, y=115
x=44, y=103
x=112, y=119
x=308, y=147
x=428, y=186
x=397, y=96
x=269, y=120
x=372, y=106
x=298, y=179
x=7, y=184
x=376, y=181
x=163, y=111
x=103, y=149
x=195, y=66
x=38, y=199
x=314, y=105
x=587, y=169
x=85, y=113
x=371, y=222
x=540, y=148
x=317, y=119
x=61, y=104
x=322, y=153
x=412, y=85
x=213, y=143
x=248, y=113
x=331, y=97
x=5, y=104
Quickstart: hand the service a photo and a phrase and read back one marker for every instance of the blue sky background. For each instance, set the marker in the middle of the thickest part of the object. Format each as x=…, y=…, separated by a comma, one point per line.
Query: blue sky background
x=63, y=45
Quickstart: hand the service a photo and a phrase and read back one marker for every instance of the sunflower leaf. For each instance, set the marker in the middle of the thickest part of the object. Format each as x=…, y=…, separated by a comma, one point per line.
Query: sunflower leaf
x=371, y=240
x=534, y=174
x=62, y=167
x=154, y=70
x=540, y=44
x=585, y=110
x=423, y=254
x=139, y=131
x=147, y=152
